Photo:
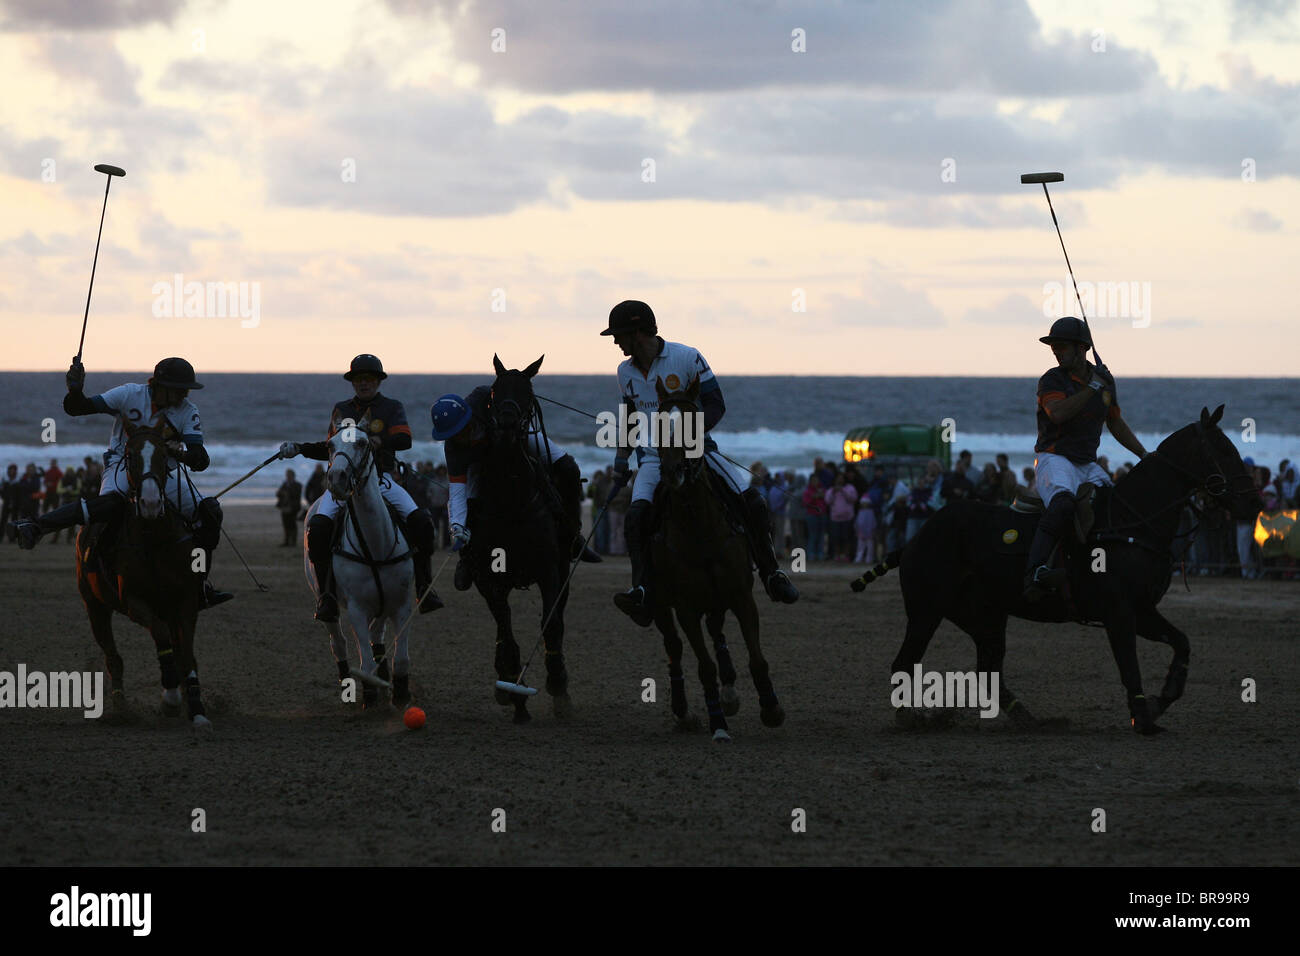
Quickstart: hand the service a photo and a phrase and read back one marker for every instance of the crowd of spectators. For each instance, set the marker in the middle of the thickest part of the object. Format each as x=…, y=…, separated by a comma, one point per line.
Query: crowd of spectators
x=38, y=490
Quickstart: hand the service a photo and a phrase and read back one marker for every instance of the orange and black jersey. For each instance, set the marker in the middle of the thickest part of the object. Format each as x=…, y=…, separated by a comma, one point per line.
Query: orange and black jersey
x=1078, y=438
x=387, y=419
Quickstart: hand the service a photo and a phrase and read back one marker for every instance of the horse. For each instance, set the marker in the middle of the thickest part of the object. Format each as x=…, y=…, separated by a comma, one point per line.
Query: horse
x=146, y=573
x=372, y=569
x=967, y=564
x=519, y=534
x=702, y=569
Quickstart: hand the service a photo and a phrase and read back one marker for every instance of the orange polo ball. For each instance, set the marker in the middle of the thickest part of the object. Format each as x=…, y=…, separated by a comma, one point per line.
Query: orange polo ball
x=413, y=718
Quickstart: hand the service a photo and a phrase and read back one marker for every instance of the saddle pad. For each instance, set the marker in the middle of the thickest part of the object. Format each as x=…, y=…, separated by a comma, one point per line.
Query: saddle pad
x=1012, y=532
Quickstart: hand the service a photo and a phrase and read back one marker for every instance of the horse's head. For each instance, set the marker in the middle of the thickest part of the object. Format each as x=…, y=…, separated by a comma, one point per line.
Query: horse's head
x=1209, y=459
x=147, y=481
x=351, y=458
x=510, y=409
x=676, y=467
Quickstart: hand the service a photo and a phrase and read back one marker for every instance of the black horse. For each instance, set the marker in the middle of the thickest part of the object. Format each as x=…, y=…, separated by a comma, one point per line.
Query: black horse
x=702, y=566
x=967, y=564
x=519, y=534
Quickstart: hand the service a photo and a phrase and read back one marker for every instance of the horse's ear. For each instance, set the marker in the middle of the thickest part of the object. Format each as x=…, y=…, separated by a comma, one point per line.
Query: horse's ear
x=1205, y=415
x=532, y=369
x=693, y=389
x=659, y=388
x=1218, y=414
x=496, y=364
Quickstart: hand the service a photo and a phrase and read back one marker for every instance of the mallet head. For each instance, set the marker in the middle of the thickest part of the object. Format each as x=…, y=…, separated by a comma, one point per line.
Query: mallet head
x=111, y=170
x=1042, y=177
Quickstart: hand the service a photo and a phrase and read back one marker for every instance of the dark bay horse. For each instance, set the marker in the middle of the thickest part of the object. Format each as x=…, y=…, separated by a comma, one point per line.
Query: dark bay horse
x=967, y=564
x=519, y=534
x=147, y=574
x=702, y=568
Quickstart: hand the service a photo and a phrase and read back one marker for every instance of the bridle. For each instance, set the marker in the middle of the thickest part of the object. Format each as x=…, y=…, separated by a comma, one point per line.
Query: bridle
x=357, y=471
x=1220, y=487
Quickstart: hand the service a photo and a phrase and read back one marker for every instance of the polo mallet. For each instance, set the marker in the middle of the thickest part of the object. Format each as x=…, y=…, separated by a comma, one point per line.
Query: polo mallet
x=1044, y=179
x=109, y=171
x=247, y=476
x=415, y=610
x=517, y=686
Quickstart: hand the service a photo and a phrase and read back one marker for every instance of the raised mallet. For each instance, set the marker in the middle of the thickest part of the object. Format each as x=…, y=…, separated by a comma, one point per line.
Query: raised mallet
x=1044, y=179
x=109, y=171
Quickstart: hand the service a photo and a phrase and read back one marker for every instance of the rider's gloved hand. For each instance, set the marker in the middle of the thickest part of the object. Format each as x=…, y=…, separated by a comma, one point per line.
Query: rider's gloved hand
x=289, y=449
x=620, y=472
x=76, y=377
x=459, y=536
x=175, y=448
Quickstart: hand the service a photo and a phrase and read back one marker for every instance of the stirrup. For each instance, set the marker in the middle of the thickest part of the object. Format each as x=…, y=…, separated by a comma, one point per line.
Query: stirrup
x=212, y=597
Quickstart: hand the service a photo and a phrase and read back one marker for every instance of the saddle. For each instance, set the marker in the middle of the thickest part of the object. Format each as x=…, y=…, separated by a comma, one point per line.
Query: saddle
x=1088, y=498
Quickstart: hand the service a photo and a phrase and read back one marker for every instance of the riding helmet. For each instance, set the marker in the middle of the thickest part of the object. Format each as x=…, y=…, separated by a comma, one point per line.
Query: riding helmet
x=174, y=373
x=450, y=414
x=1068, y=329
x=629, y=316
x=366, y=363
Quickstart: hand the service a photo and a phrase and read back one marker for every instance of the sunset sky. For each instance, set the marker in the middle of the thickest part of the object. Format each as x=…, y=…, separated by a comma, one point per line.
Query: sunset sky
x=875, y=175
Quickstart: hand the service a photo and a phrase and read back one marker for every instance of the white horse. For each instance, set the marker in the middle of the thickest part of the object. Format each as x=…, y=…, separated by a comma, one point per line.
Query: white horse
x=372, y=570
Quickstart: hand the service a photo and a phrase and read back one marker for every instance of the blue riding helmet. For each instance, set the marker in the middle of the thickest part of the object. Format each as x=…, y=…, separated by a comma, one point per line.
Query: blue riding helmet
x=450, y=414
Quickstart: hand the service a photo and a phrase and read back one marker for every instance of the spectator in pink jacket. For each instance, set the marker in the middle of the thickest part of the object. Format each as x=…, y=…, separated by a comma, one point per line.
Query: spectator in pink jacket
x=841, y=497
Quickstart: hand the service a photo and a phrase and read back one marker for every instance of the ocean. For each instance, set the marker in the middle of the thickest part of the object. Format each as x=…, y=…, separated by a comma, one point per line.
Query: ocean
x=782, y=421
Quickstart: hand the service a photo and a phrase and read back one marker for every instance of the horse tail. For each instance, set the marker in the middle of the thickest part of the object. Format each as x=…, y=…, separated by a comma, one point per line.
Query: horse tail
x=879, y=571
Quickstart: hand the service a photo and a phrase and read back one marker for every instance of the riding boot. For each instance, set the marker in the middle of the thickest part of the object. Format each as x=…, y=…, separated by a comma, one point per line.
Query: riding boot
x=419, y=525
x=320, y=552
x=81, y=511
x=568, y=482
x=635, y=602
x=207, y=535
x=1041, y=578
x=758, y=531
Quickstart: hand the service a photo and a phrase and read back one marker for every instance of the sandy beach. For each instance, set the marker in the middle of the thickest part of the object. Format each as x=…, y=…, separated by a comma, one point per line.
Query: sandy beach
x=291, y=775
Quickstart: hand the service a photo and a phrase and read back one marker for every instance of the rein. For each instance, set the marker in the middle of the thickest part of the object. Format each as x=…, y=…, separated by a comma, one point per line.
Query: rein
x=358, y=474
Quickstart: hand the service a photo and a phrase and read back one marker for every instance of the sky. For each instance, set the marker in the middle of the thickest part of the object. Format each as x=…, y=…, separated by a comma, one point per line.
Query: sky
x=810, y=188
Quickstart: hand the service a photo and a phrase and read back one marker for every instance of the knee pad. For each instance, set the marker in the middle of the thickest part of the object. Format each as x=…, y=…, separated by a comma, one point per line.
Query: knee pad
x=566, y=472
x=1059, y=513
x=320, y=536
x=755, y=504
x=419, y=525
x=210, y=513
x=637, y=514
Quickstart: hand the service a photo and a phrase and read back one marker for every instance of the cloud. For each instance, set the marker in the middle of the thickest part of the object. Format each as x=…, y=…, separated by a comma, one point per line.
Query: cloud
x=91, y=60
x=33, y=15
x=677, y=46
x=1272, y=18
x=1014, y=310
x=1257, y=220
x=883, y=302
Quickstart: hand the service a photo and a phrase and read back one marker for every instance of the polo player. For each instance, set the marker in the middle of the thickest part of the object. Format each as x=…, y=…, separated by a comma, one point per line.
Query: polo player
x=1074, y=400
x=463, y=424
x=162, y=400
x=384, y=421
x=649, y=358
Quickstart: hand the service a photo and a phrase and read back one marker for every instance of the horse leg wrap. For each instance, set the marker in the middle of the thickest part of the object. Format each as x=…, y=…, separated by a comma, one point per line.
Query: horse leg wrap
x=320, y=542
x=381, y=664
x=636, y=529
x=344, y=670
x=171, y=678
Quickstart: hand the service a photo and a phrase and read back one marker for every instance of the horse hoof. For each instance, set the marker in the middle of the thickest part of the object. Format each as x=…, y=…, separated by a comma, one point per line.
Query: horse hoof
x=773, y=716
x=562, y=706
x=369, y=697
x=720, y=736
x=522, y=716
x=201, y=724
x=730, y=700
x=119, y=701
x=503, y=697
x=687, y=724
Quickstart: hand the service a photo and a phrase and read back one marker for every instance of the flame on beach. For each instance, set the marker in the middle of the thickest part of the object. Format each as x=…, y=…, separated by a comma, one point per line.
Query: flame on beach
x=1277, y=525
x=857, y=450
